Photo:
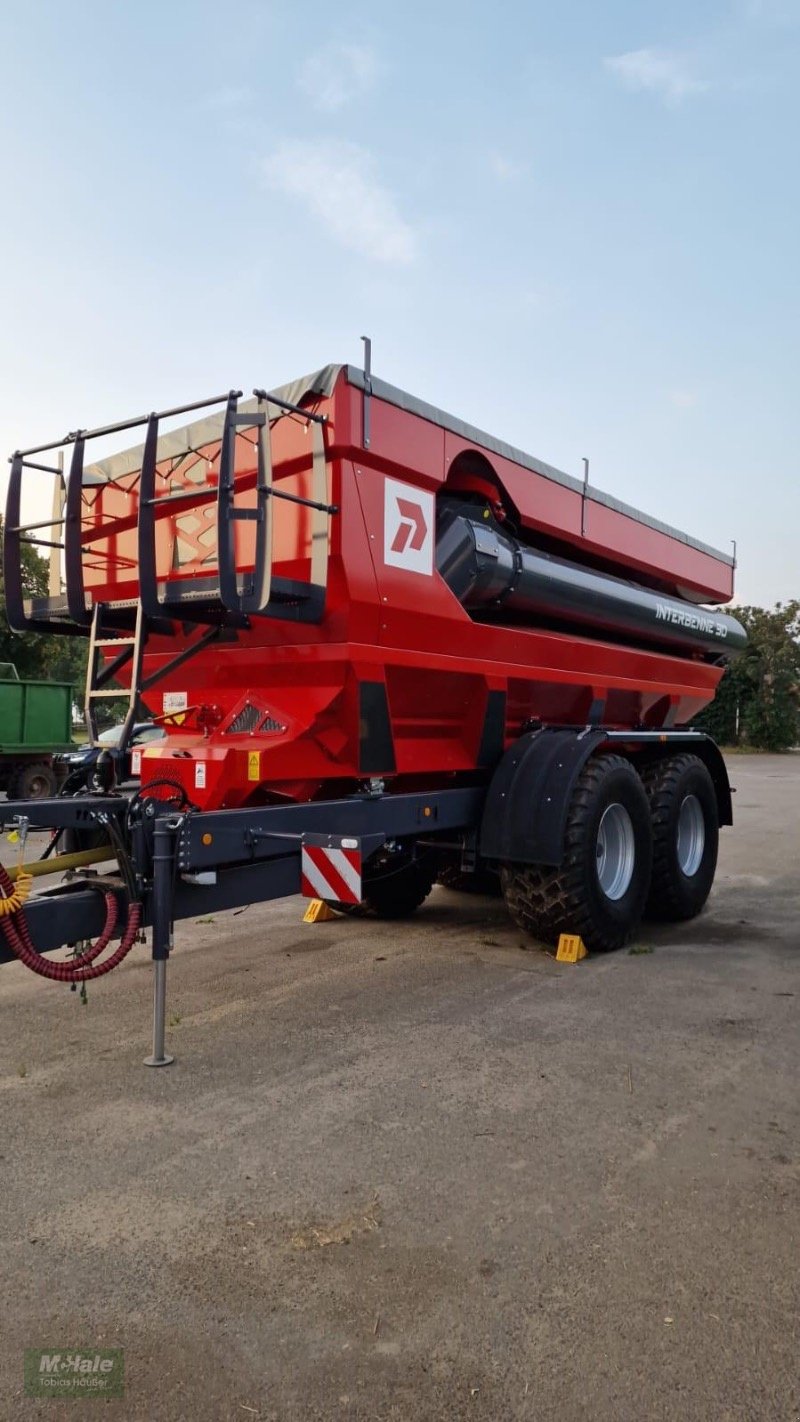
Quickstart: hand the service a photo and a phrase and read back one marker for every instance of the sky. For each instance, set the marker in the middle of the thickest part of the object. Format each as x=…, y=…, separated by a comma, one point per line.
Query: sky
x=574, y=225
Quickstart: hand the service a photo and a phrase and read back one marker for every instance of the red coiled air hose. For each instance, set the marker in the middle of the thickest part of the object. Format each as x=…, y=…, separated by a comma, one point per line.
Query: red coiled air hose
x=79, y=969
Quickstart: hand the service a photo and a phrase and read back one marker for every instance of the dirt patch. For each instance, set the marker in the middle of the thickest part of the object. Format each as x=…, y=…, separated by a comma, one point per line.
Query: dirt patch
x=320, y=1235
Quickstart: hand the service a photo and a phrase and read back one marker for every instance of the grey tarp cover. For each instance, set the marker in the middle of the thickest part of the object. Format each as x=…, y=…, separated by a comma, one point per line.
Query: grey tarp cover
x=204, y=431
x=321, y=382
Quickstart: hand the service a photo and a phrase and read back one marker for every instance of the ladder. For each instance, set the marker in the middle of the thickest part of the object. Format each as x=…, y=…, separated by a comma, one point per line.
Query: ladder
x=100, y=670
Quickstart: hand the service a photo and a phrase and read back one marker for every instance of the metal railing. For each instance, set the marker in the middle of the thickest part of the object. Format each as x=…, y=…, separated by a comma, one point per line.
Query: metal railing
x=231, y=596
x=71, y=613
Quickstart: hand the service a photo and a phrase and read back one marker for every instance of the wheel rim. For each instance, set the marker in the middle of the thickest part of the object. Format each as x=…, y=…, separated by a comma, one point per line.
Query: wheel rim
x=616, y=851
x=37, y=787
x=691, y=835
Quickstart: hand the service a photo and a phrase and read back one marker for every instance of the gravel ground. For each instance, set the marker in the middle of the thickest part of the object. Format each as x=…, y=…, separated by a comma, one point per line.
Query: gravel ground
x=414, y=1172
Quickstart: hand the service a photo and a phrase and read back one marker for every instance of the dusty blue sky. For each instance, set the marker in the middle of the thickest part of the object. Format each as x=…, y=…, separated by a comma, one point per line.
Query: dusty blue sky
x=575, y=225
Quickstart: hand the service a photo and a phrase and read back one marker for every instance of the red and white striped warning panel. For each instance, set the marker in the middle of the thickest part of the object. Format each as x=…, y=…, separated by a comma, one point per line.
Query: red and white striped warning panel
x=332, y=872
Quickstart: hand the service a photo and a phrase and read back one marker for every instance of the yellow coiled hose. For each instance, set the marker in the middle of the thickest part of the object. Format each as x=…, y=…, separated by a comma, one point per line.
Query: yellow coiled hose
x=13, y=903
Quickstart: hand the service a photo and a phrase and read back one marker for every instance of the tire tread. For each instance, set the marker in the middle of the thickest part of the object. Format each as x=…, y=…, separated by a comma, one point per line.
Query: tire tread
x=660, y=780
x=548, y=900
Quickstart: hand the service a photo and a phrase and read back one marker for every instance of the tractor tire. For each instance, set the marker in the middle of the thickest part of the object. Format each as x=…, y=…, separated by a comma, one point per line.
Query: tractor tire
x=396, y=894
x=685, y=819
x=480, y=881
x=600, y=888
x=32, y=780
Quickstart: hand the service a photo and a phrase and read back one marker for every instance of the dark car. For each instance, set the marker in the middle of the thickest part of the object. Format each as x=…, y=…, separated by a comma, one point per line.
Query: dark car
x=76, y=766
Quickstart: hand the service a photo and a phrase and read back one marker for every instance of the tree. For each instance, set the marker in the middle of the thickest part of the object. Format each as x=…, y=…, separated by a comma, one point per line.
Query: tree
x=758, y=698
x=36, y=656
x=26, y=653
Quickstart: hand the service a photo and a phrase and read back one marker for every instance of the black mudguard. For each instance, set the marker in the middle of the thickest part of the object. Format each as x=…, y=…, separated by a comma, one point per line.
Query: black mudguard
x=525, y=814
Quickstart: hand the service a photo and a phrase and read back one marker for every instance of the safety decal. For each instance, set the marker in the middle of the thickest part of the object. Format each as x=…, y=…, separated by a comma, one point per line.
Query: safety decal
x=328, y=873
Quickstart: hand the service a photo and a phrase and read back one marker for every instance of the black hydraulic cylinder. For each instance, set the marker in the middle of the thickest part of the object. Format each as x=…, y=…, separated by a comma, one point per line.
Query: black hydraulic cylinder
x=491, y=571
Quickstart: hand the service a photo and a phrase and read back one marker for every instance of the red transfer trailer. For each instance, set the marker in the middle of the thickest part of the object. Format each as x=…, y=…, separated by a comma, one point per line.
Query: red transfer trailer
x=384, y=646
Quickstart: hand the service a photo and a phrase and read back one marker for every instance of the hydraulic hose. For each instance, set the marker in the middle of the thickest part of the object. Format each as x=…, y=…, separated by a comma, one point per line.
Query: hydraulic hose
x=79, y=969
x=20, y=889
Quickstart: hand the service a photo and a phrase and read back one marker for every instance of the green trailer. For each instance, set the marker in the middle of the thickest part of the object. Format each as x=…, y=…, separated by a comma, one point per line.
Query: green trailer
x=35, y=726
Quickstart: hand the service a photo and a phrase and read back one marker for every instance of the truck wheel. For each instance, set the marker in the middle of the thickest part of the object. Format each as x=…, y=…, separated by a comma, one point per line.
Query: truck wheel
x=600, y=888
x=396, y=894
x=34, y=780
x=683, y=809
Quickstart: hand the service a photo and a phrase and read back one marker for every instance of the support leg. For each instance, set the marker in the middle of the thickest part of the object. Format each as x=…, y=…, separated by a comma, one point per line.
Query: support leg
x=163, y=873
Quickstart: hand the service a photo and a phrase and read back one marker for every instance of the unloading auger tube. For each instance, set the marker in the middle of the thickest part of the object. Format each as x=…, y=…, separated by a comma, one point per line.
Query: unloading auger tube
x=489, y=570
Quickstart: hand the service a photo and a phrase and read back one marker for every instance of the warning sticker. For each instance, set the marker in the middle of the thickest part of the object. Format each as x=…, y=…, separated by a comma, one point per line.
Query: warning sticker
x=136, y=762
x=253, y=765
x=200, y=775
x=175, y=703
